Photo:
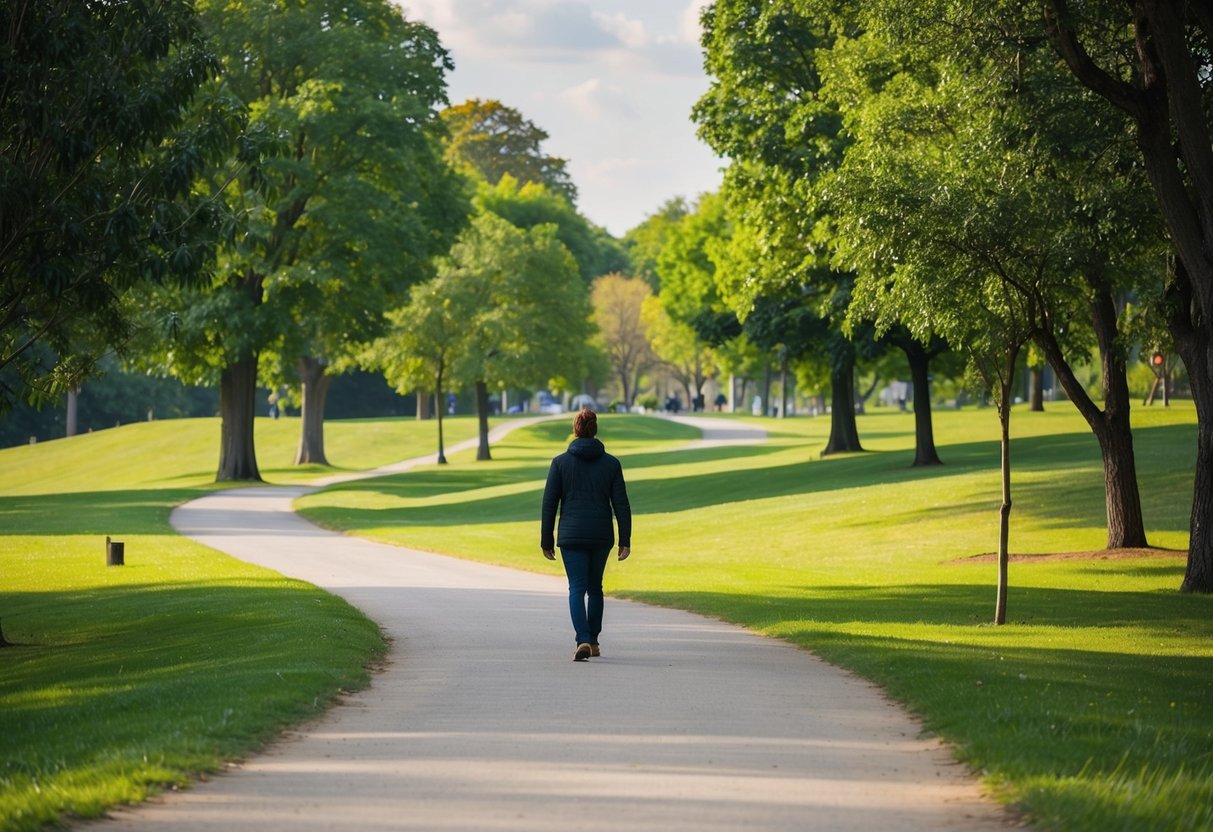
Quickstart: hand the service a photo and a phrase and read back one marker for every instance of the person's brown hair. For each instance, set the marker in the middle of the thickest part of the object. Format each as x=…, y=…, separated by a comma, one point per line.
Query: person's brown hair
x=585, y=424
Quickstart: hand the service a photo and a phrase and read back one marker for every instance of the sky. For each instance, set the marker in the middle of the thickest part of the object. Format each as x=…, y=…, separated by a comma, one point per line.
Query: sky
x=612, y=82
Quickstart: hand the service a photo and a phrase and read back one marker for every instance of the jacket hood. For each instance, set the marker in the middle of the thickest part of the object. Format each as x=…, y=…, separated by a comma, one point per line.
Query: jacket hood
x=586, y=449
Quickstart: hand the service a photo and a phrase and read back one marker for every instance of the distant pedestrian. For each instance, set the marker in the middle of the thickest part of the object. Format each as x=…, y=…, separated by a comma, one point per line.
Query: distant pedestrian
x=585, y=487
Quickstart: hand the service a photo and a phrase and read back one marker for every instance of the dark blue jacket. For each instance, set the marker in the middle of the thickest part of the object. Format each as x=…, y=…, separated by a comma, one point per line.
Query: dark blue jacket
x=586, y=484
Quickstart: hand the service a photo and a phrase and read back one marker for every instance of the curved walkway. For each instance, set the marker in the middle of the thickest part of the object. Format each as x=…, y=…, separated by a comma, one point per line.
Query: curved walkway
x=481, y=721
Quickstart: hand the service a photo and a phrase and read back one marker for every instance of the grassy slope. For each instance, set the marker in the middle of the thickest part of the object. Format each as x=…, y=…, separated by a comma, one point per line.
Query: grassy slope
x=1091, y=709
x=127, y=679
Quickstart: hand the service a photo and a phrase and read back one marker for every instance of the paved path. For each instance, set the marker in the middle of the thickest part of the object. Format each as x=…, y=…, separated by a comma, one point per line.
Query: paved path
x=481, y=721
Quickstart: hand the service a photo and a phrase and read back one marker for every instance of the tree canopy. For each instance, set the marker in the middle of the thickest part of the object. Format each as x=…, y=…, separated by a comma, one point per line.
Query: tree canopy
x=346, y=214
x=106, y=120
x=497, y=141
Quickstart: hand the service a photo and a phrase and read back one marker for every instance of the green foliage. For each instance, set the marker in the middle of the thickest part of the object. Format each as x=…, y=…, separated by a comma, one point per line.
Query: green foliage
x=105, y=124
x=645, y=242
x=496, y=141
x=1085, y=711
x=528, y=204
x=972, y=161
x=534, y=328
x=506, y=307
x=351, y=205
x=687, y=264
x=765, y=111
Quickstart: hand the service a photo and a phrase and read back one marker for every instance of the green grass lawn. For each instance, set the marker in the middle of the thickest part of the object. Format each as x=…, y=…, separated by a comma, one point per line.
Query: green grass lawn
x=1091, y=709
x=126, y=679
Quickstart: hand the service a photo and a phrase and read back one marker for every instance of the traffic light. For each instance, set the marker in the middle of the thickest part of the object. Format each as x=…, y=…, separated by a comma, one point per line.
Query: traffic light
x=1157, y=360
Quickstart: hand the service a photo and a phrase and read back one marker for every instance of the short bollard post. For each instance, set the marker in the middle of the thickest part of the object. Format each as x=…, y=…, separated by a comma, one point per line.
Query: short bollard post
x=114, y=554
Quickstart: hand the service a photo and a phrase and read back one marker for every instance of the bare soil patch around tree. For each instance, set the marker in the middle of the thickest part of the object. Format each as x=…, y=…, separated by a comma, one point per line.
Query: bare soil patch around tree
x=1090, y=554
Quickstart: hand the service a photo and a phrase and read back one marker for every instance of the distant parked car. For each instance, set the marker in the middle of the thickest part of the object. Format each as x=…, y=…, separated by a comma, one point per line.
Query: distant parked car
x=548, y=403
x=582, y=400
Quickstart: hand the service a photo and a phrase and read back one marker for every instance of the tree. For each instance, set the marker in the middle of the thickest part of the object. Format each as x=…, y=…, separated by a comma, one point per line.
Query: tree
x=351, y=90
x=693, y=249
x=529, y=204
x=950, y=289
x=982, y=153
x=1150, y=60
x=766, y=113
x=372, y=236
x=426, y=337
x=618, y=303
x=999, y=331
x=106, y=120
x=500, y=149
x=645, y=242
x=679, y=348
x=529, y=323
x=496, y=141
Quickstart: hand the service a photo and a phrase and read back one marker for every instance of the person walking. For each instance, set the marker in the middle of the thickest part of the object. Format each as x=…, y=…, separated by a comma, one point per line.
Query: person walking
x=585, y=486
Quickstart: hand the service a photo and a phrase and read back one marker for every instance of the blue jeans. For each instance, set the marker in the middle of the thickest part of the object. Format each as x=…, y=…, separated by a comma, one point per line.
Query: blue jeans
x=584, y=568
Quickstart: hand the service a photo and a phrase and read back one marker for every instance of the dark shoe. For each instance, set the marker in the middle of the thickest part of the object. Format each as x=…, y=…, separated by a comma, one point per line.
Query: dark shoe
x=594, y=651
x=584, y=651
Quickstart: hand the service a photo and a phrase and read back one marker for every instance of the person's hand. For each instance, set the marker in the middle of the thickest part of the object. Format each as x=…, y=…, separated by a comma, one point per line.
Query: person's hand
x=550, y=554
x=624, y=551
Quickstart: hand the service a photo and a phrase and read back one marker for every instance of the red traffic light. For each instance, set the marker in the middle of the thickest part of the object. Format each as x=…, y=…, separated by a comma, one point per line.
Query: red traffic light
x=1157, y=359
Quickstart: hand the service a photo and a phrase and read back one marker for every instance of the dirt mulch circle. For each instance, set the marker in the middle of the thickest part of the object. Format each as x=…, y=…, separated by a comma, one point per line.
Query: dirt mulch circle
x=1094, y=554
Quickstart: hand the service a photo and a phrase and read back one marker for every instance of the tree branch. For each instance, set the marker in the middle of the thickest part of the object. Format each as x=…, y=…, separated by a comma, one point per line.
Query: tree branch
x=1166, y=33
x=1119, y=93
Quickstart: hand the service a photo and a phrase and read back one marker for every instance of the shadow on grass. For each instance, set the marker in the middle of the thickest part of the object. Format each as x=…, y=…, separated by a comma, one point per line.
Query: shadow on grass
x=960, y=604
x=92, y=512
x=1061, y=500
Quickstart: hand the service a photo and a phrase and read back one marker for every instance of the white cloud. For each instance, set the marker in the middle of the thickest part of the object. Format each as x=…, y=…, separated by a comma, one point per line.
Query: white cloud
x=612, y=82
x=606, y=171
x=517, y=25
x=543, y=30
x=689, y=29
x=596, y=101
x=631, y=33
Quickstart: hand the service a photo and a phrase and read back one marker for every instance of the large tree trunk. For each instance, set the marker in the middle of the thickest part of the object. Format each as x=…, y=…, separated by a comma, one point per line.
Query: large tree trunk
x=73, y=411
x=844, y=433
x=1111, y=426
x=482, y=417
x=237, y=406
x=625, y=389
x=1036, y=389
x=1173, y=136
x=315, y=382
x=1194, y=343
x=920, y=377
x=783, y=384
x=1198, y=577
